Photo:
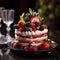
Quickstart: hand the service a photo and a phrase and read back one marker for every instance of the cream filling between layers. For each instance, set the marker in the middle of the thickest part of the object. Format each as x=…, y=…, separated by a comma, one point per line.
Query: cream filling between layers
x=37, y=32
x=30, y=40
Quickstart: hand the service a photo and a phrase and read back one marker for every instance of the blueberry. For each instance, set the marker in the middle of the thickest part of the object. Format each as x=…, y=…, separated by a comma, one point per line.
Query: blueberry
x=36, y=23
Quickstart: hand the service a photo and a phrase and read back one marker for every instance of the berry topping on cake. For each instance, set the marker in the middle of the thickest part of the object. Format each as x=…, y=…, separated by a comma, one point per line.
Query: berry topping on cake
x=35, y=19
x=33, y=26
x=30, y=22
x=20, y=29
x=45, y=26
x=41, y=28
x=30, y=32
x=21, y=24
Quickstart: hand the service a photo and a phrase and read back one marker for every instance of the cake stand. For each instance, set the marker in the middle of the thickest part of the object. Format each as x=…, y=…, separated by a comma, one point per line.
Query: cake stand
x=29, y=53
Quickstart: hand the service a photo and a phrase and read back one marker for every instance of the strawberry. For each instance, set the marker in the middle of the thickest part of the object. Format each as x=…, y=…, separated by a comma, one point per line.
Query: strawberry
x=45, y=26
x=34, y=48
x=14, y=45
x=46, y=45
x=21, y=24
x=20, y=29
x=35, y=19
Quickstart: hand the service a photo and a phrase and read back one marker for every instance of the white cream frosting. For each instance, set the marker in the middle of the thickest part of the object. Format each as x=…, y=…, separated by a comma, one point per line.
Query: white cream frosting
x=37, y=32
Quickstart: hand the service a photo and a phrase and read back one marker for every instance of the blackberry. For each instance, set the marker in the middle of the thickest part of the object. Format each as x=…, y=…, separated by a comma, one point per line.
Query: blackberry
x=41, y=28
x=27, y=29
x=36, y=23
x=28, y=24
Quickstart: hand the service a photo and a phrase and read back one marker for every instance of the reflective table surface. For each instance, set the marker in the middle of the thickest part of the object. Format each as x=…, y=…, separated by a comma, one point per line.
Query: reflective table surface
x=7, y=54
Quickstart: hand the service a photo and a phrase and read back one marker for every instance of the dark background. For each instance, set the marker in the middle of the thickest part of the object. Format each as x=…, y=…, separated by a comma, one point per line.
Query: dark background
x=18, y=5
x=22, y=6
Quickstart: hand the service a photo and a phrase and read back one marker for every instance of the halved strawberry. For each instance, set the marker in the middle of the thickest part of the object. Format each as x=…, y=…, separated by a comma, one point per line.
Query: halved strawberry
x=21, y=24
x=35, y=19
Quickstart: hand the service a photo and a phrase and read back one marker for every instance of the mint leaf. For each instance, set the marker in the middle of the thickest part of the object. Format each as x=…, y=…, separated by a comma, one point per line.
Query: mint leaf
x=22, y=15
x=22, y=18
x=30, y=11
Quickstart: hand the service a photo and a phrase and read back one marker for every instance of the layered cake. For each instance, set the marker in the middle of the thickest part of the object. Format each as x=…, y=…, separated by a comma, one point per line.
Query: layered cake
x=31, y=32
